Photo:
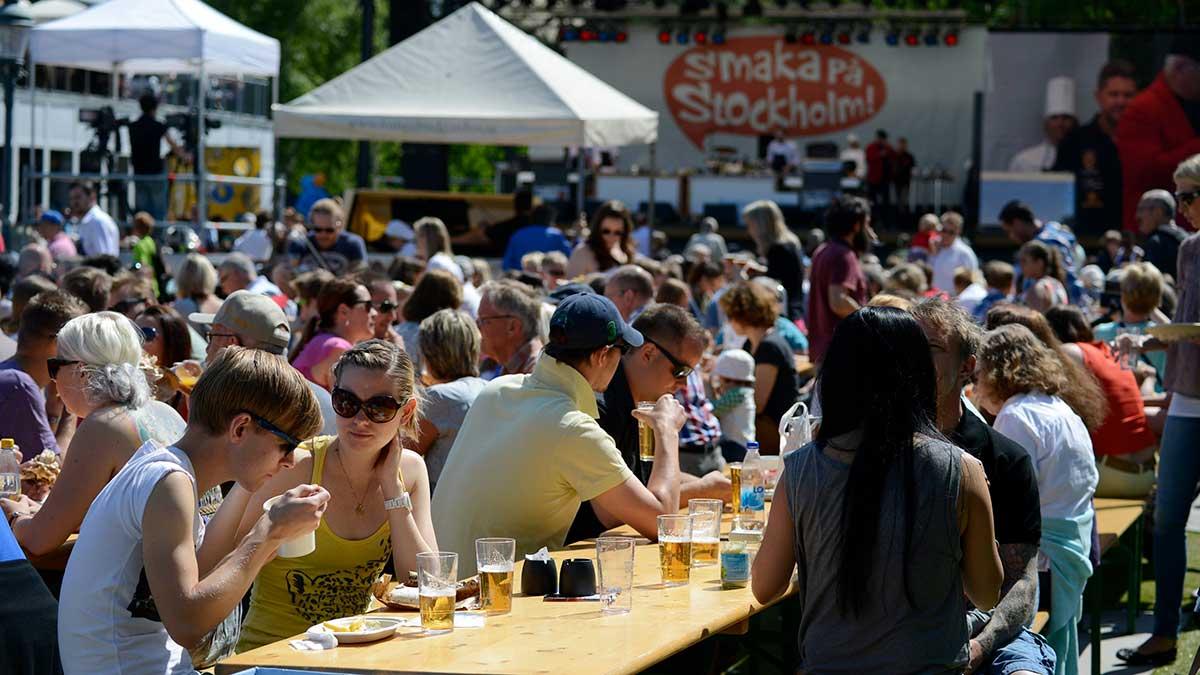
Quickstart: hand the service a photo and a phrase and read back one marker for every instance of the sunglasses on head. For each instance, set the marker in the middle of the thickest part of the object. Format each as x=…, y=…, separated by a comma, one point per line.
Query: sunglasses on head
x=679, y=369
x=379, y=409
x=266, y=425
x=54, y=364
x=1186, y=198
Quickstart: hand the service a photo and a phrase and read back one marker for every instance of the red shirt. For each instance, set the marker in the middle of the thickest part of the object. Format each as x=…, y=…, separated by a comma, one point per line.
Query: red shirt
x=925, y=239
x=1153, y=137
x=833, y=264
x=1124, y=429
x=879, y=154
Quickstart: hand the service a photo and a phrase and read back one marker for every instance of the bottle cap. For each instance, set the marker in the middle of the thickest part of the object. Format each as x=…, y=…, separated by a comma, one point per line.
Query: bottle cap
x=7, y=443
x=751, y=445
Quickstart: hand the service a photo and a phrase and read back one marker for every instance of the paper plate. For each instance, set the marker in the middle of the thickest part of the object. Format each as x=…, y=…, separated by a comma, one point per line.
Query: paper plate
x=1172, y=332
x=375, y=628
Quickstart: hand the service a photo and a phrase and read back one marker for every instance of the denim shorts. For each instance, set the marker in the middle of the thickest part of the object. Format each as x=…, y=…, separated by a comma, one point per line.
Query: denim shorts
x=1026, y=651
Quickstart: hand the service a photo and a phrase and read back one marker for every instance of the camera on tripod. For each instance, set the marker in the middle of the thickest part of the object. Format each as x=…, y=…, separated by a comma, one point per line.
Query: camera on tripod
x=188, y=124
x=105, y=125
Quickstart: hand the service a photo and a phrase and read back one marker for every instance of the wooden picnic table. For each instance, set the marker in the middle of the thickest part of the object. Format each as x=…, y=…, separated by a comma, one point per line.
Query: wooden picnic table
x=547, y=637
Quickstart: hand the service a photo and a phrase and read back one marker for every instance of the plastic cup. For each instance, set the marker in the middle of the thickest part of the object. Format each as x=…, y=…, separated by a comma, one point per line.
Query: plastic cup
x=614, y=558
x=437, y=581
x=706, y=530
x=295, y=547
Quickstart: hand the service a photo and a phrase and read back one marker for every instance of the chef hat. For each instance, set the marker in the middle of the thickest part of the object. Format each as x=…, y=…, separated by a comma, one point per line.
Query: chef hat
x=1060, y=96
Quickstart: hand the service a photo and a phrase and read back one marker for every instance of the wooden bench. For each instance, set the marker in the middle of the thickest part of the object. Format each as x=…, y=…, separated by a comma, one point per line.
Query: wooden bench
x=1040, y=621
x=1115, y=517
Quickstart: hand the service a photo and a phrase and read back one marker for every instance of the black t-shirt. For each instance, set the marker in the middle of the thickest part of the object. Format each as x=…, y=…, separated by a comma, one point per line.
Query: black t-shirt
x=145, y=145
x=902, y=166
x=616, y=405
x=1162, y=248
x=774, y=351
x=785, y=264
x=1092, y=156
x=1012, y=483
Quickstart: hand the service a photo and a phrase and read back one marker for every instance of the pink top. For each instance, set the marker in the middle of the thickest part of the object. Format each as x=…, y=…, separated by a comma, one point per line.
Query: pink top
x=316, y=351
x=62, y=247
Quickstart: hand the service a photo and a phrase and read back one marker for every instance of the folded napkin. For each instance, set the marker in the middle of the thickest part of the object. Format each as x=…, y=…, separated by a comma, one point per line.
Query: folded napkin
x=315, y=641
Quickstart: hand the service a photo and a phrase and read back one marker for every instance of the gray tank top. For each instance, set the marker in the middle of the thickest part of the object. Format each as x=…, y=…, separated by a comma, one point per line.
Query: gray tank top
x=889, y=635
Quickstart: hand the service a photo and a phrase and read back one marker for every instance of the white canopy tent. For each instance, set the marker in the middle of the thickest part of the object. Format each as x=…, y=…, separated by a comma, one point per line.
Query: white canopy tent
x=470, y=78
x=157, y=36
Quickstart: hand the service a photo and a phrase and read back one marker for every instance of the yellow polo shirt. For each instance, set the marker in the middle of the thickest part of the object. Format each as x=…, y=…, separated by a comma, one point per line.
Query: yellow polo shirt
x=527, y=454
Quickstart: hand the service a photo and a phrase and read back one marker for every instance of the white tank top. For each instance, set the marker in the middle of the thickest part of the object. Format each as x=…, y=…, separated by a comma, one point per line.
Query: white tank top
x=107, y=622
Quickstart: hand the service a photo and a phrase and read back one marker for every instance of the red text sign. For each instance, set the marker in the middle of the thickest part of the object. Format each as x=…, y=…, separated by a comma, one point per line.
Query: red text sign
x=755, y=85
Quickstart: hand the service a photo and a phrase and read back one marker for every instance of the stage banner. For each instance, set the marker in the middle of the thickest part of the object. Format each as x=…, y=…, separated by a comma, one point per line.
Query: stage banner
x=729, y=95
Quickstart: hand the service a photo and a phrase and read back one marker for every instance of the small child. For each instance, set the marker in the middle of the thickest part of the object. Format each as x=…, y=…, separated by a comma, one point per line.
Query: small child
x=734, y=405
x=999, y=276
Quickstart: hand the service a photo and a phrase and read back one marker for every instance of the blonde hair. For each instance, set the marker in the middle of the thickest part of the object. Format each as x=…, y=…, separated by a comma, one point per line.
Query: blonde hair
x=765, y=224
x=252, y=381
x=906, y=277
x=196, y=277
x=890, y=300
x=433, y=232
x=1141, y=287
x=1189, y=169
x=450, y=344
x=109, y=345
x=383, y=356
x=327, y=207
x=1014, y=361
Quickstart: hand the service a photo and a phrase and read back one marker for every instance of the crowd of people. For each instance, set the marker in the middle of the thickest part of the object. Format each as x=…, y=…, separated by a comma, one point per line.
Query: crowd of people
x=969, y=414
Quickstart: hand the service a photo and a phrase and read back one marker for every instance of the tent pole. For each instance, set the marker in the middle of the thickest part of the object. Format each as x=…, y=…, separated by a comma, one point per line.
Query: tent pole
x=581, y=171
x=198, y=163
x=28, y=199
x=276, y=202
x=653, y=207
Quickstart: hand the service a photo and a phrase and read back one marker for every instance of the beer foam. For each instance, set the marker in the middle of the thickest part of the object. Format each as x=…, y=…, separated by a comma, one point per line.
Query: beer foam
x=438, y=592
x=674, y=540
x=500, y=568
x=706, y=540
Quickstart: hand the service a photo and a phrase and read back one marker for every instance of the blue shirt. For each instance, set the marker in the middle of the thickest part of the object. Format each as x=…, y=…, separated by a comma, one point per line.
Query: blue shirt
x=1054, y=234
x=993, y=296
x=531, y=238
x=345, y=252
x=9, y=548
x=24, y=405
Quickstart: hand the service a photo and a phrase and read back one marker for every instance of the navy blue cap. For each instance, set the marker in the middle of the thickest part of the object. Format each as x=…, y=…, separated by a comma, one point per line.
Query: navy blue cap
x=588, y=321
x=567, y=290
x=51, y=216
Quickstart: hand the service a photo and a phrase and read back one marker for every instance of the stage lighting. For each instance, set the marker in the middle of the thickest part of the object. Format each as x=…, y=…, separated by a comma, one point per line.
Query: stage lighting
x=843, y=38
x=951, y=38
x=700, y=36
x=718, y=36
x=931, y=38
x=826, y=37
x=808, y=38
x=864, y=36
x=587, y=34
x=621, y=37
x=682, y=36
x=912, y=39
x=664, y=36
x=892, y=37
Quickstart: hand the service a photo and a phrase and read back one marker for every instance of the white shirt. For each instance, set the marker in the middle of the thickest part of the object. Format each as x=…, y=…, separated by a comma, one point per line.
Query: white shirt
x=97, y=632
x=785, y=149
x=256, y=244
x=859, y=157
x=262, y=286
x=970, y=298
x=443, y=262
x=948, y=259
x=98, y=233
x=1061, y=449
x=1034, y=159
x=641, y=239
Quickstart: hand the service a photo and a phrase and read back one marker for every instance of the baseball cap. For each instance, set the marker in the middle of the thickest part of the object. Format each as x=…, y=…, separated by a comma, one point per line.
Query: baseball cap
x=567, y=290
x=52, y=216
x=735, y=364
x=588, y=321
x=253, y=315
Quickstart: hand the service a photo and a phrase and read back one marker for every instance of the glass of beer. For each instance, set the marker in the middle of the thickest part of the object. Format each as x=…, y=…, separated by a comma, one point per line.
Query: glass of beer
x=494, y=560
x=437, y=580
x=675, y=549
x=706, y=530
x=645, y=435
x=614, y=557
x=735, y=479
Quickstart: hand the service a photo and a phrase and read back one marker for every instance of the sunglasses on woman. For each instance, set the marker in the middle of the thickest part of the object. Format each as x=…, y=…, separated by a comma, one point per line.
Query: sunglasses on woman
x=379, y=409
x=1186, y=198
x=54, y=364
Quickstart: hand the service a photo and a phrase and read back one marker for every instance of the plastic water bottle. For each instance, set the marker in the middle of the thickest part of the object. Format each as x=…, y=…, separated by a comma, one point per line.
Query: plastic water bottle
x=10, y=469
x=754, y=489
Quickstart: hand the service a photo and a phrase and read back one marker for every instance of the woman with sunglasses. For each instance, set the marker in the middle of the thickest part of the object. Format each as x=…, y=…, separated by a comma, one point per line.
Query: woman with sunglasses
x=1179, y=464
x=167, y=342
x=752, y=310
x=345, y=317
x=379, y=505
x=386, y=304
x=100, y=381
x=609, y=243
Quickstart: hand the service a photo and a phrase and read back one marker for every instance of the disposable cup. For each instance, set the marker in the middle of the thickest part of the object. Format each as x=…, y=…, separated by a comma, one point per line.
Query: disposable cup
x=295, y=547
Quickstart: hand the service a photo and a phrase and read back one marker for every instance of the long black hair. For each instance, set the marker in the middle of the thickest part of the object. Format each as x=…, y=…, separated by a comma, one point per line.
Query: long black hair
x=877, y=379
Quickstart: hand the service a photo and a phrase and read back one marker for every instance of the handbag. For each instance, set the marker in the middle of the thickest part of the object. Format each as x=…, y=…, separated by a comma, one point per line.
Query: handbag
x=795, y=428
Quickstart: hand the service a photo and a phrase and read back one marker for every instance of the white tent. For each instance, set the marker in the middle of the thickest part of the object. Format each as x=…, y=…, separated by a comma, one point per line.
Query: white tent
x=157, y=36
x=470, y=78
x=44, y=11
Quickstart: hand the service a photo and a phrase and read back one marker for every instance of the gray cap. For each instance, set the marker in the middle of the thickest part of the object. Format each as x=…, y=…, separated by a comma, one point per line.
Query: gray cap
x=253, y=316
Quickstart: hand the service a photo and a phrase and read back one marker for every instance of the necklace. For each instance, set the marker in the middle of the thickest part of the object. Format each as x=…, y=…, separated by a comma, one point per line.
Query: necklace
x=358, y=506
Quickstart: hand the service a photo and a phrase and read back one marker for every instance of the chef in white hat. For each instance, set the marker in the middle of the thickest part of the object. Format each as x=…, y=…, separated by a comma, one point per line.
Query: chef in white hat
x=1059, y=121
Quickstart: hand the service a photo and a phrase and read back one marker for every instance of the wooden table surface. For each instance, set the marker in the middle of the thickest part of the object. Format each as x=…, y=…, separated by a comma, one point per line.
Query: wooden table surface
x=546, y=637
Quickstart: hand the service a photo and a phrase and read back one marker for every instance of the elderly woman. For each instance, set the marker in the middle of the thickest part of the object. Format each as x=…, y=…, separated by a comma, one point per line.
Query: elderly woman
x=99, y=380
x=752, y=311
x=196, y=287
x=450, y=355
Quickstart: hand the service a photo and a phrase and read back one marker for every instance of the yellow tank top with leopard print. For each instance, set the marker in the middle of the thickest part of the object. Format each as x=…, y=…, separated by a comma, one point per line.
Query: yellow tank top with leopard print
x=291, y=594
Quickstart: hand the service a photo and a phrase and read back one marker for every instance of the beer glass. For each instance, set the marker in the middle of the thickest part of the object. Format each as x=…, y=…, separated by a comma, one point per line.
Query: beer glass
x=645, y=435
x=1128, y=356
x=706, y=530
x=437, y=580
x=735, y=480
x=675, y=549
x=494, y=561
x=614, y=557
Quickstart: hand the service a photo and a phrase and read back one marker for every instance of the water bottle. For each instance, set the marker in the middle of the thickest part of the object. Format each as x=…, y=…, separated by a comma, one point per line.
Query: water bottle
x=10, y=469
x=754, y=487
x=738, y=552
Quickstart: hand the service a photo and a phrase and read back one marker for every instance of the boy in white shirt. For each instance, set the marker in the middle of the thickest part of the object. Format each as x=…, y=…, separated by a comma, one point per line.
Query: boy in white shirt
x=734, y=384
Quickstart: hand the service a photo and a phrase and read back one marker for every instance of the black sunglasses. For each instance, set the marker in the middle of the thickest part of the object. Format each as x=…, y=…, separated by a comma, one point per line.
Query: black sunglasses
x=355, y=303
x=54, y=364
x=385, y=306
x=679, y=369
x=270, y=428
x=1186, y=198
x=323, y=230
x=149, y=333
x=127, y=304
x=379, y=409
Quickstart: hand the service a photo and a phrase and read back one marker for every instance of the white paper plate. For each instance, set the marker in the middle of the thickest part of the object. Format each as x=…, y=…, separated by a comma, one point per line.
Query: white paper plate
x=377, y=628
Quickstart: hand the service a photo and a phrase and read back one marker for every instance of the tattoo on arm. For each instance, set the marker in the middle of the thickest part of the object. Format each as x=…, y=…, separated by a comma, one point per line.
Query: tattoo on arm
x=1018, y=596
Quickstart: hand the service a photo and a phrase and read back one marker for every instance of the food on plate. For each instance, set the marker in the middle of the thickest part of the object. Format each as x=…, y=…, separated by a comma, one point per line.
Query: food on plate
x=39, y=474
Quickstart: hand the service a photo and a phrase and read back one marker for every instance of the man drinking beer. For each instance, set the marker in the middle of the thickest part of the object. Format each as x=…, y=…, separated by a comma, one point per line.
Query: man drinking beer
x=530, y=449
